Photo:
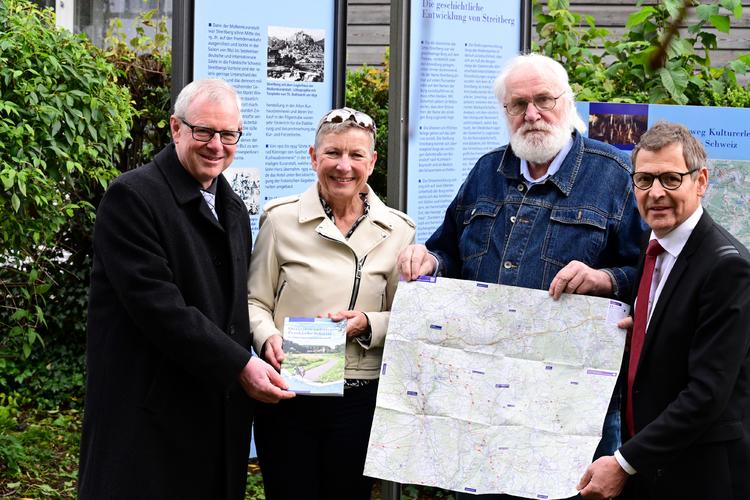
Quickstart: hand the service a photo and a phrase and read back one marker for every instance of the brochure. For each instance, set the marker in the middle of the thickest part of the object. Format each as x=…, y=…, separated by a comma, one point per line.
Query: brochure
x=314, y=351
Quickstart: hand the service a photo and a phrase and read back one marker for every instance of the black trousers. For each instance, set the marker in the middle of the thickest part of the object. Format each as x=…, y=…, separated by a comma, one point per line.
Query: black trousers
x=314, y=448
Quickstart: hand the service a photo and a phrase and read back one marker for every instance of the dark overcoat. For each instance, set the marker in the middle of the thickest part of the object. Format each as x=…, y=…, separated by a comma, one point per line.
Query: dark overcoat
x=691, y=394
x=168, y=335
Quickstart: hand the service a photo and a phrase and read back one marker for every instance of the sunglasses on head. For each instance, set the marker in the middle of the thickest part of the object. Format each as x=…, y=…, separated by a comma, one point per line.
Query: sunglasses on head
x=344, y=114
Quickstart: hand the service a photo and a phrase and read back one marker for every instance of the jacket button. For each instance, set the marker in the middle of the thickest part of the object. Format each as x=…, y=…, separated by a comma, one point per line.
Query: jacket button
x=513, y=219
x=231, y=330
x=521, y=187
x=507, y=264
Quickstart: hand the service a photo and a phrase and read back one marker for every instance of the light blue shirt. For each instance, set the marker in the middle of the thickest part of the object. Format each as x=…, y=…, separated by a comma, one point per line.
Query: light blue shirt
x=551, y=170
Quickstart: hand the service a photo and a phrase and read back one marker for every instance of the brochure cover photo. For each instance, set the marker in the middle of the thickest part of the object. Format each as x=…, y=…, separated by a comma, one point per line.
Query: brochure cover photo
x=314, y=350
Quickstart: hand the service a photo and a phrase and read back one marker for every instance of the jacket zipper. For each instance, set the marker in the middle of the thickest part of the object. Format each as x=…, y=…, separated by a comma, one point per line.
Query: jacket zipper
x=358, y=264
x=355, y=289
x=357, y=278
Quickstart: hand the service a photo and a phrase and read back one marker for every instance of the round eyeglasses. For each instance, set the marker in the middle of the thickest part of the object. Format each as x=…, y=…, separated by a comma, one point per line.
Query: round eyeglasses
x=544, y=102
x=668, y=180
x=206, y=134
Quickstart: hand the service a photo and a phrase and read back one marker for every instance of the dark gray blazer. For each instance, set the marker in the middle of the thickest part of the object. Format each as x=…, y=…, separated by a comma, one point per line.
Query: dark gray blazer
x=691, y=394
x=168, y=335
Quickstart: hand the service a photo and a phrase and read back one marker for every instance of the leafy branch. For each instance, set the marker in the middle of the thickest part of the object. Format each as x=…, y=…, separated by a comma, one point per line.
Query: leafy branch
x=657, y=60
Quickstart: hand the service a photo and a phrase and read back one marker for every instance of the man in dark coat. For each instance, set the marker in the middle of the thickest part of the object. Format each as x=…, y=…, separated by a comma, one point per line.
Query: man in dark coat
x=687, y=373
x=168, y=355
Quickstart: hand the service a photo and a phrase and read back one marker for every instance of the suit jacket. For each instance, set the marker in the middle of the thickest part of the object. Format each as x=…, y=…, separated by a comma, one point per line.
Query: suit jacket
x=691, y=393
x=168, y=334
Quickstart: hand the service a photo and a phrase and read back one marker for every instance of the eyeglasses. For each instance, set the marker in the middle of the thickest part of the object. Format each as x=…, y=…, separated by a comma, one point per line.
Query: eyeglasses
x=205, y=134
x=669, y=180
x=343, y=114
x=542, y=102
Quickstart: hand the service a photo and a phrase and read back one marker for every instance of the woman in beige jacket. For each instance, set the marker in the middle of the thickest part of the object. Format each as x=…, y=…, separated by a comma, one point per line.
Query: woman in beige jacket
x=330, y=251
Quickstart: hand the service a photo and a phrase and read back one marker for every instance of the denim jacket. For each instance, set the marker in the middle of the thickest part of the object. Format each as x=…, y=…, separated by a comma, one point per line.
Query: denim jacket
x=499, y=230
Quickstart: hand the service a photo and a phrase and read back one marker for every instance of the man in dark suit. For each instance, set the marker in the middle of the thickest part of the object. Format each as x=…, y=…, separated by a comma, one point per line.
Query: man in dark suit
x=168, y=354
x=686, y=375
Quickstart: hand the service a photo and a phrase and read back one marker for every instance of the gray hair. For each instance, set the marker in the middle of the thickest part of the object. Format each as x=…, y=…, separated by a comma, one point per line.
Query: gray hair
x=663, y=134
x=558, y=75
x=213, y=89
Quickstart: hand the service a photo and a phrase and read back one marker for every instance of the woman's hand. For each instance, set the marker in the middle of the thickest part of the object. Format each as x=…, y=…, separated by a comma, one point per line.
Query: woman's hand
x=272, y=351
x=357, y=323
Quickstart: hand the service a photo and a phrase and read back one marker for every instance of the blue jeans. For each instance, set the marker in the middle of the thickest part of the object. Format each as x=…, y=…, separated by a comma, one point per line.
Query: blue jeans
x=610, y=435
x=609, y=443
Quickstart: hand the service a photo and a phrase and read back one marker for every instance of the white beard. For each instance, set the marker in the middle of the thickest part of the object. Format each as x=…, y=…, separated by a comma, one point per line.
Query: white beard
x=539, y=147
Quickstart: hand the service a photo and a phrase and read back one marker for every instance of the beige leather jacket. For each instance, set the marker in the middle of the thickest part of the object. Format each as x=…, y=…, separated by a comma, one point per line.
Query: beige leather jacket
x=303, y=266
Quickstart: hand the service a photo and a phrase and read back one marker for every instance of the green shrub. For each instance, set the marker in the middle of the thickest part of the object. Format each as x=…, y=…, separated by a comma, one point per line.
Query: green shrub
x=54, y=376
x=733, y=97
x=635, y=68
x=367, y=91
x=62, y=119
x=144, y=66
x=12, y=452
x=254, y=484
x=38, y=452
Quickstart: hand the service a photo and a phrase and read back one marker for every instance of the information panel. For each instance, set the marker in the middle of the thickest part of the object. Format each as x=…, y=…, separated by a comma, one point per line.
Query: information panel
x=724, y=133
x=457, y=48
x=280, y=57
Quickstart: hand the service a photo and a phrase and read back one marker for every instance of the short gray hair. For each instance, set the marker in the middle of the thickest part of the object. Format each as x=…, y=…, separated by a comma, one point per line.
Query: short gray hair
x=339, y=127
x=663, y=134
x=214, y=89
x=558, y=76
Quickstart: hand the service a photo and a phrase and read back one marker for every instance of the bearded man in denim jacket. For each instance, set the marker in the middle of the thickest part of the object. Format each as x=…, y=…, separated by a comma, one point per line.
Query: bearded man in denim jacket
x=552, y=210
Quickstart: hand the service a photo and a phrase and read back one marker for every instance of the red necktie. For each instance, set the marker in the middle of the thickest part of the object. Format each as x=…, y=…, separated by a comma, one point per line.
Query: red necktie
x=639, y=326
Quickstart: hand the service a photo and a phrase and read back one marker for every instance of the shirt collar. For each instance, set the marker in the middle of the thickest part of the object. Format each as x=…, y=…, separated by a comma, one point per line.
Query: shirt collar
x=553, y=167
x=329, y=212
x=675, y=240
x=310, y=207
x=212, y=188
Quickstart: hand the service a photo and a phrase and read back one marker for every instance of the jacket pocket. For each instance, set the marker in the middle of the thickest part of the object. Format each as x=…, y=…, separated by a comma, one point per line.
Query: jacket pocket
x=722, y=431
x=476, y=232
x=574, y=234
x=156, y=394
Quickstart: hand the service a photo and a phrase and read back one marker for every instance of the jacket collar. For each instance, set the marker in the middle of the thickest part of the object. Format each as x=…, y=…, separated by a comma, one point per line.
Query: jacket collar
x=564, y=179
x=310, y=207
x=374, y=229
x=186, y=189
